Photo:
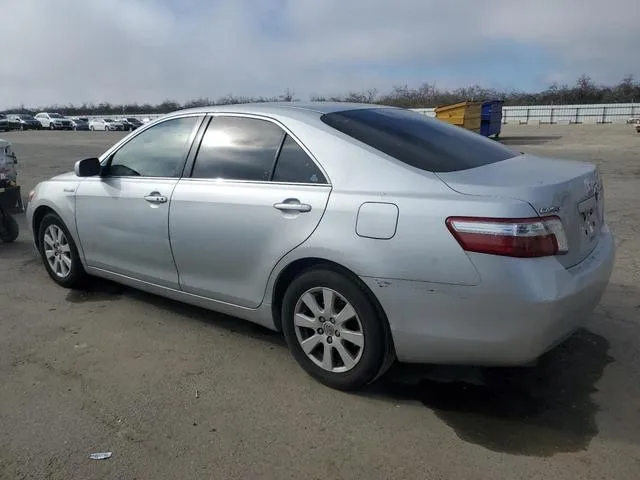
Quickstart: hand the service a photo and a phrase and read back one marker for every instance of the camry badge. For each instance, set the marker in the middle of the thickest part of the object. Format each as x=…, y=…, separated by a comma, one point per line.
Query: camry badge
x=547, y=210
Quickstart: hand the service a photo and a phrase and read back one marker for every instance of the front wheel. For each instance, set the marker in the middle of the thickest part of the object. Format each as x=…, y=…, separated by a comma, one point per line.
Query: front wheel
x=333, y=329
x=9, y=230
x=59, y=253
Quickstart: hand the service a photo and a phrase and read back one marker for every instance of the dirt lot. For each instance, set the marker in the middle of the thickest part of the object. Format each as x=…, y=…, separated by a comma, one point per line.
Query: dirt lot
x=117, y=370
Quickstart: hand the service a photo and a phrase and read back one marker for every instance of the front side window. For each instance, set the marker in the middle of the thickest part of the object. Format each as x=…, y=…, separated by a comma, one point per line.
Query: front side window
x=295, y=166
x=238, y=148
x=159, y=151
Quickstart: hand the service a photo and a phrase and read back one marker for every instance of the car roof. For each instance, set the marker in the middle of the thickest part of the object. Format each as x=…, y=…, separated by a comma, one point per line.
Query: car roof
x=282, y=108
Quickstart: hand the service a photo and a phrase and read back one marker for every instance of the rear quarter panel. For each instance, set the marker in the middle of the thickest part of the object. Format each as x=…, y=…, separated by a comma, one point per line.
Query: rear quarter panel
x=422, y=248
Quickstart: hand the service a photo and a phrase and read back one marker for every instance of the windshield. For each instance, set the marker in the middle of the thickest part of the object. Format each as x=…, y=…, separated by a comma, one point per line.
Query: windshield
x=108, y=120
x=55, y=115
x=26, y=117
x=417, y=140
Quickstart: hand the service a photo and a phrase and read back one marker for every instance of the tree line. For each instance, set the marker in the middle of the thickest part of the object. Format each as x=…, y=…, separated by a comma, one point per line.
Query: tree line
x=583, y=91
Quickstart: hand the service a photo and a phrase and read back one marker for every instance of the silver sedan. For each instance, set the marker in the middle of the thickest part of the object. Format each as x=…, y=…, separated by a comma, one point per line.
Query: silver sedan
x=366, y=234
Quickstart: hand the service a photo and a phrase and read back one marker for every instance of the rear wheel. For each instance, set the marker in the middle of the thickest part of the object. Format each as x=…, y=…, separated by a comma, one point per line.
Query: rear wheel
x=59, y=253
x=9, y=230
x=333, y=330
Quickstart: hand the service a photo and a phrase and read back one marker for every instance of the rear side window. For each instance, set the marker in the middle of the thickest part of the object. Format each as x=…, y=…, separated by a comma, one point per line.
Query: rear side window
x=419, y=141
x=238, y=148
x=295, y=166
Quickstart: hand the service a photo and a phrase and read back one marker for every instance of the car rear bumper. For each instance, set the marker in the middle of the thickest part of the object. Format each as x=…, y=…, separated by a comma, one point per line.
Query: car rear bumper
x=515, y=315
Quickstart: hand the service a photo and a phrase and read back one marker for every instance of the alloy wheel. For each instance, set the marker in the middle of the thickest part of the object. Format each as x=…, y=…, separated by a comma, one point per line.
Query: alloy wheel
x=57, y=251
x=328, y=330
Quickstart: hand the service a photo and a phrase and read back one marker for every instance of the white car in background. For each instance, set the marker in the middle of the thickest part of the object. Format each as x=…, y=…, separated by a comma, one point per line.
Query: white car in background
x=106, y=124
x=54, y=121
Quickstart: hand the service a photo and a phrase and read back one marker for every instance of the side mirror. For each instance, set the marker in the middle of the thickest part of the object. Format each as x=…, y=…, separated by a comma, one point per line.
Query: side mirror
x=89, y=167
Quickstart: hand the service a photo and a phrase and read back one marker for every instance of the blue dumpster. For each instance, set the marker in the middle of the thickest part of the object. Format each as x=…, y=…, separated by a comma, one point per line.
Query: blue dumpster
x=491, y=116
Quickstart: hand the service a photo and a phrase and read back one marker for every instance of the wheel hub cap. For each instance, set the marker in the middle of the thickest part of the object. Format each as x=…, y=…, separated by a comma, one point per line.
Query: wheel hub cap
x=329, y=330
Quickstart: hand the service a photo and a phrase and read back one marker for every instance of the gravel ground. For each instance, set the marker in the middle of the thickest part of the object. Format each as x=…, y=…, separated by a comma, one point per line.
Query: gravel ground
x=178, y=392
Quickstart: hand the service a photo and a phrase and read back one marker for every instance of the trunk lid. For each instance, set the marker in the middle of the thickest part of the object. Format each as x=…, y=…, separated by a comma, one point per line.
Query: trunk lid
x=569, y=189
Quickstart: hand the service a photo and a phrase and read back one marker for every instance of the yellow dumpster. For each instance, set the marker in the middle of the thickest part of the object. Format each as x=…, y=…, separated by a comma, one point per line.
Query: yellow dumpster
x=467, y=115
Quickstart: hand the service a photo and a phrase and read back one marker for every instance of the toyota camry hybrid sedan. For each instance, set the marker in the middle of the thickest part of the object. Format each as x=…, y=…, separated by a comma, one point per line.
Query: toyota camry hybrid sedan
x=366, y=234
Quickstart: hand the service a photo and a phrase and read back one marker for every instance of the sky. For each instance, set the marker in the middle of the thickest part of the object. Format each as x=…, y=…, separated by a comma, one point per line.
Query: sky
x=122, y=51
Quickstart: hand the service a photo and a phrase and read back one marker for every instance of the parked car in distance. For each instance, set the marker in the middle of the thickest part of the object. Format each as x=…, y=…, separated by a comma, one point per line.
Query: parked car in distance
x=5, y=125
x=364, y=233
x=14, y=123
x=80, y=123
x=8, y=123
x=105, y=124
x=54, y=121
x=24, y=121
x=130, y=123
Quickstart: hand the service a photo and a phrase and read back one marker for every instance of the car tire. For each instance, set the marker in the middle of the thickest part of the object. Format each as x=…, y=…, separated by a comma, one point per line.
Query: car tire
x=352, y=367
x=10, y=229
x=58, y=237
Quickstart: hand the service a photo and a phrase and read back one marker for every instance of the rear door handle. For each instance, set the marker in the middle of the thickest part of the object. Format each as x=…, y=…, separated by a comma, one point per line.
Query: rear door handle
x=292, y=206
x=155, y=197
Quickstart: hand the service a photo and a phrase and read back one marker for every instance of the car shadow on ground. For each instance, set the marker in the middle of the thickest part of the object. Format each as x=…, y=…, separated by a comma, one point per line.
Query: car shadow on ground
x=539, y=410
x=529, y=139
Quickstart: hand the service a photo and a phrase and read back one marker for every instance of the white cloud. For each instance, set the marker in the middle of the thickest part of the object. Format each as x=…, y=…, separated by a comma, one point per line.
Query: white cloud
x=142, y=50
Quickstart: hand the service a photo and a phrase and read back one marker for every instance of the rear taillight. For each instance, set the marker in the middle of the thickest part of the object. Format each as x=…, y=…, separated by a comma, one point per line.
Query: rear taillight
x=512, y=237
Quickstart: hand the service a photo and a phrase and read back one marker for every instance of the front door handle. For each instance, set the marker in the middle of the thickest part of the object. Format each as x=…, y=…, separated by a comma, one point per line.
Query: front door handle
x=292, y=205
x=155, y=197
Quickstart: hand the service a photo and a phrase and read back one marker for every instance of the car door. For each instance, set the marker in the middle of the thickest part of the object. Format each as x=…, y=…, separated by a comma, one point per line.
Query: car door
x=230, y=222
x=122, y=216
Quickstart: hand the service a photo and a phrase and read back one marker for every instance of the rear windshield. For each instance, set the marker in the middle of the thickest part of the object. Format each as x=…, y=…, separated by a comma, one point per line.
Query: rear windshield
x=418, y=140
